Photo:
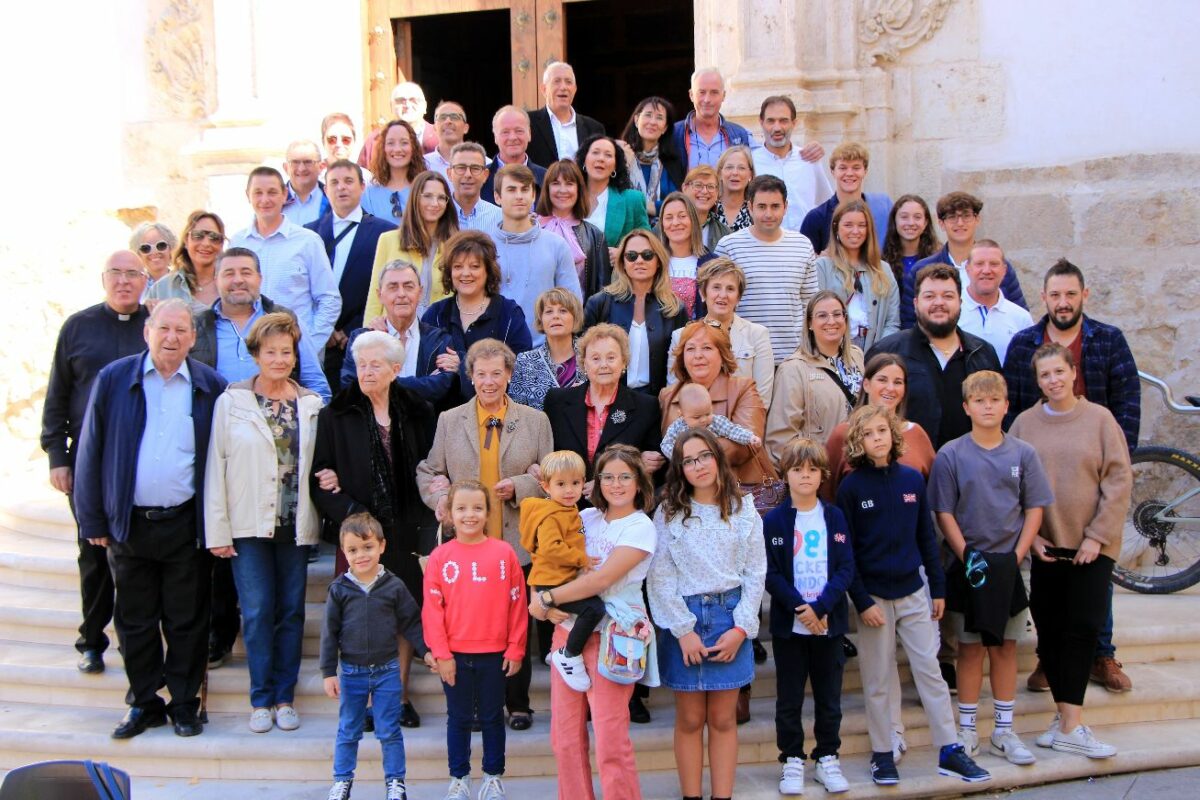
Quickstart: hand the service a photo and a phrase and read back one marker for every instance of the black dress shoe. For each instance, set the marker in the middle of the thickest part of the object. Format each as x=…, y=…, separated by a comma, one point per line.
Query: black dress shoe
x=409, y=718
x=136, y=720
x=187, y=723
x=520, y=720
x=760, y=652
x=91, y=662
x=637, y=711
x=849, y=648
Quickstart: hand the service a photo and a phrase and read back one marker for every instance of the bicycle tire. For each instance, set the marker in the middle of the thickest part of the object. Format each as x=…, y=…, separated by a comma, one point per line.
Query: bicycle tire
x=1186, y=466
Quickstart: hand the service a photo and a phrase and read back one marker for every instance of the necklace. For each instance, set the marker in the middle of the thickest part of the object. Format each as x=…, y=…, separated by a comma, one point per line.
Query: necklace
x=462, y=312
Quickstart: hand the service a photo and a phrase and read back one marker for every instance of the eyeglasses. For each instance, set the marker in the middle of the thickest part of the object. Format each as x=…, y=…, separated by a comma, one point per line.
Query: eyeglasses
x=823, y=316
x=959, y=216
x=633, y=255
x=118, y=275
x=608, y=478
x=440, y=199
x=346, y=140
x=703, y=187
x=701, y=458
x=463, y=169
x=212, y=236
x=306, y=163
x=147, y=249
x=450, y=116
x=412, y=101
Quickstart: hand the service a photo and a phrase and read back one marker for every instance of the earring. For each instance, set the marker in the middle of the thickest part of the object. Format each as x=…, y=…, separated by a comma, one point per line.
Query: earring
x=614, y=174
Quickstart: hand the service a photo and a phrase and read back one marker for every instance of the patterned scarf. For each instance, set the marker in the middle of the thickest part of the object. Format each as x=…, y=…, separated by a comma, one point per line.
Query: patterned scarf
x=564, y=227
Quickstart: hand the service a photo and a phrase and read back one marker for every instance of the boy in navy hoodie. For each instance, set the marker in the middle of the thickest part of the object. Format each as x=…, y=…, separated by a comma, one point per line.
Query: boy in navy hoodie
x=810, y=564
x=891, y=529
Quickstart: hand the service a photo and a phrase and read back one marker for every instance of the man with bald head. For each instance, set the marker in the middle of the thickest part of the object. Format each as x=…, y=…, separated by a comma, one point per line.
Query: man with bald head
x=510, y=128
x=555, y=129
x=139, y=491
x=88, y=341
x=305, y=201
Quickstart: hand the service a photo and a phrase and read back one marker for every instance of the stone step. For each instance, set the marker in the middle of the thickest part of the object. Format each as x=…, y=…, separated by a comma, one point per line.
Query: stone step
x=1141, y=747
x=227, y=750
x=37, y=510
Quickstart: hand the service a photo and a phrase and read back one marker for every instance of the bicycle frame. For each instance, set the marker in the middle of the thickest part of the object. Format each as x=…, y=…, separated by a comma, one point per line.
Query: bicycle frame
x=1165, y=515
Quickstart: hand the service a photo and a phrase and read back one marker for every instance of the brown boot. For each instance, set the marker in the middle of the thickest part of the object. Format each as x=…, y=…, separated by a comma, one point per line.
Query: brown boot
x=743, y=706
x=1107, y=670
x=1037, y=680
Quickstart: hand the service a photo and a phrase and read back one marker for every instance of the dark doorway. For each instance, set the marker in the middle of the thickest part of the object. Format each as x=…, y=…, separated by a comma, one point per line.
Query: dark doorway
x=465, y=57
x=624, y=50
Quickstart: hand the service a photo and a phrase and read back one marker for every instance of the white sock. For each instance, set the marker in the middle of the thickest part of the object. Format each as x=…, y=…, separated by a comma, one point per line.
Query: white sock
x=1004, y=714
x=966, y=715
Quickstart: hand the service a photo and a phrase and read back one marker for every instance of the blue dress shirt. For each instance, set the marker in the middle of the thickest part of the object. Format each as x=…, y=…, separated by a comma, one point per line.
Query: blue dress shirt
x=302, y=212
x=234, y=362
x=483, y=217
x=166, y=460
x=377, y=201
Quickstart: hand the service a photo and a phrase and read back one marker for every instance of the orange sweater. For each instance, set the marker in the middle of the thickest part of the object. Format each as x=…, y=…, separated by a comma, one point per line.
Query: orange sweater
x=475, y=600
x=553, y=535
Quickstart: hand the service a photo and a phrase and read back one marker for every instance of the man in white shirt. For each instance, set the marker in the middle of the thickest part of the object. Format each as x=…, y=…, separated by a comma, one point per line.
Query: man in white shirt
x=450, y=119
x=467, y=172
x=780, y=266
x=295, y=267
x=556, y=129
x=806, y=181
x=985, y=311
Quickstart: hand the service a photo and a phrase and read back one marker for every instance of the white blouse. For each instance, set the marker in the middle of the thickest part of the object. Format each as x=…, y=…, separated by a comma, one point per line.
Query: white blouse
x=639, y=355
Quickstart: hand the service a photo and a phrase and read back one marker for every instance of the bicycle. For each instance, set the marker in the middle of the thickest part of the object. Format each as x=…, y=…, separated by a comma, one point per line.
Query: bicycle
x=1160, y=551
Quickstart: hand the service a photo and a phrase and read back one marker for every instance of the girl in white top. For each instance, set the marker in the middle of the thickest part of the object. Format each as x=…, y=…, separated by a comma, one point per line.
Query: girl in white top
x=705, y=586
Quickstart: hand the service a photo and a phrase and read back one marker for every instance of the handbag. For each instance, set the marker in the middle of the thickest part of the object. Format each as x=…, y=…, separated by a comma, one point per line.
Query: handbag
x=424, y=559
x=767, y=493
x=623, y=654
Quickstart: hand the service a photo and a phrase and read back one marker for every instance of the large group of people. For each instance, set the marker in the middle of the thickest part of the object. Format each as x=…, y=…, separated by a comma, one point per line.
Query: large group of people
x=627, y=385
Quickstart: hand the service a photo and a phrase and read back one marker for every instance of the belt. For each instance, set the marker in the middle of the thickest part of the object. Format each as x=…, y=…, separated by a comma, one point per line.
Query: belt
x=160, y=513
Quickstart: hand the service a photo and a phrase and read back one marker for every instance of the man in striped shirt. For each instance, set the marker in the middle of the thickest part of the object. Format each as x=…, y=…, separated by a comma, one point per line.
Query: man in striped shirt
x=779, y=264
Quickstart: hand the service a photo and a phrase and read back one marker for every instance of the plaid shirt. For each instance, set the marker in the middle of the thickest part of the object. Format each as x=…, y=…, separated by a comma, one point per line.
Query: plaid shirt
x=1109, y=372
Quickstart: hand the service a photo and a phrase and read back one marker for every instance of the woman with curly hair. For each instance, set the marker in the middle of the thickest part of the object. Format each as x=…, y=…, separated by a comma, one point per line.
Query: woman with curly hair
x=395, y=164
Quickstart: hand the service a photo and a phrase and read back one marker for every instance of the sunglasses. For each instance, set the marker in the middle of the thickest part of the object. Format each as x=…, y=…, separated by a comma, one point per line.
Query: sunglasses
x=346, y=140
x=633, y=255
x=200, y=236
x=147, y=249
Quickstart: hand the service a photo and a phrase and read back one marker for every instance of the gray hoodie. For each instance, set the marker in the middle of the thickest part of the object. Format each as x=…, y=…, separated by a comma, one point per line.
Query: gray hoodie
x=530, y=263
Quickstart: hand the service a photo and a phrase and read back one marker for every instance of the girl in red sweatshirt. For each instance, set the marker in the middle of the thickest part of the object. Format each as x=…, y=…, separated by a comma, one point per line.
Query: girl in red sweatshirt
x=475, y=621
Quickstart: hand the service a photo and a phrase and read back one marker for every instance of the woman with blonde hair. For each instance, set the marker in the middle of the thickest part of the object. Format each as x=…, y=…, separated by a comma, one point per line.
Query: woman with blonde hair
x=194, y=278
x=851, y=268
x=735, y=168
x=680, y=232
x=153, y=243
x=640, y=300
x=556, y=362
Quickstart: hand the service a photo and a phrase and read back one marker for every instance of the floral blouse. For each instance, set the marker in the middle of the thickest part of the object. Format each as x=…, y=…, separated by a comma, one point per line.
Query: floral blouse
x=282, y=419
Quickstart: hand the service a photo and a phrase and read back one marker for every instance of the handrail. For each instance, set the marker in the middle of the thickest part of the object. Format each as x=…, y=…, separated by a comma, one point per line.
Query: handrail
x=1161, y=385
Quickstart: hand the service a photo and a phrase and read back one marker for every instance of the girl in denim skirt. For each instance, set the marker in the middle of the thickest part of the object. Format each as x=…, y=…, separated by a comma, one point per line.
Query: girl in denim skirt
x=705, y=586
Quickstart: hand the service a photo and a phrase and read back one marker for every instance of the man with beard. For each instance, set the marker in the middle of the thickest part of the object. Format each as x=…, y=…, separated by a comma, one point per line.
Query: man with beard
x=939, y=355
x=1105, y=374
x=807, y=183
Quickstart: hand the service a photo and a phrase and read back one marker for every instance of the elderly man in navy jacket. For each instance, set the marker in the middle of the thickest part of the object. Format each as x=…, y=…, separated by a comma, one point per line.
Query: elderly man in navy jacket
x=139, y=485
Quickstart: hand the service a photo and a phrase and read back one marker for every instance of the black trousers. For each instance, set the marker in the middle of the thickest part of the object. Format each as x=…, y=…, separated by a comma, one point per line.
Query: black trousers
x=799, y=659
x=1069, y=605
x=226, y=617
x=163, y=581
x=589, y=611
x=516, y=688
x=96, y=593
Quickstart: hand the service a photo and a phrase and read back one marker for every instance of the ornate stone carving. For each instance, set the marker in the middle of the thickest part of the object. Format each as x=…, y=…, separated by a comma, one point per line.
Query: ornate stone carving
x=888, y=26
x=177, y=59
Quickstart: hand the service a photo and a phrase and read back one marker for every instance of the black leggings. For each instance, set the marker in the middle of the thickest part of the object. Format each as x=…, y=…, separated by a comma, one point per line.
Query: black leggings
x=1069, y=604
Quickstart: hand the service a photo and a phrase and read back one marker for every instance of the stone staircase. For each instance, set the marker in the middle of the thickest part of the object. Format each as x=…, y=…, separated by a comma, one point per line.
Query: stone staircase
x=49, y=710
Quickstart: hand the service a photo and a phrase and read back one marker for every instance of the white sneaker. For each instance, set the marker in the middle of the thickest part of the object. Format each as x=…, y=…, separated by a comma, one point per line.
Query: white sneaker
x=340, y=790
x=1047, y=739
x=572, y=670
x=969, y=739
x=286, y=718
x=1010, y=746
x=459, y=789
x=492, y=788
x=396, y=790
x=261, y=720
x=899, y=746
x=1082, y=742
x=829, y=774
x=792, y=779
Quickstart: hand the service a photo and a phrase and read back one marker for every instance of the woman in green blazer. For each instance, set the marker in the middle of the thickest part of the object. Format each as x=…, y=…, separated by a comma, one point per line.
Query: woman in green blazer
x=616, y=208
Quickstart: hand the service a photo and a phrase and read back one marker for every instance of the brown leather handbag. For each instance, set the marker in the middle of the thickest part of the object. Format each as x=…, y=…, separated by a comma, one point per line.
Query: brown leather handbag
x=769, y=492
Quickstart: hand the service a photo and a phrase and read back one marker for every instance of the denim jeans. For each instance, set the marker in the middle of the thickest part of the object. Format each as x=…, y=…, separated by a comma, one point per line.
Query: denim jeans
x=271, y=578
x=478, y=683
x=381, y=684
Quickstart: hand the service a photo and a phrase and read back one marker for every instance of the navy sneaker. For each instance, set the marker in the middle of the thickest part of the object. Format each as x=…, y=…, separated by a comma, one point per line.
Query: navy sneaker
x=883, y=769
x=953, y=762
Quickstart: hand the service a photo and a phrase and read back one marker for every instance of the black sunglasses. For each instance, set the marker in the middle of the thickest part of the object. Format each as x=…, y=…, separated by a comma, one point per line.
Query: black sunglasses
x=160, y=246
x=633, y=255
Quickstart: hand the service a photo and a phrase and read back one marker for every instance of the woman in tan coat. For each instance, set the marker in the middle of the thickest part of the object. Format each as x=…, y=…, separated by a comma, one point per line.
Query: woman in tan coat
x=495, y=440
x=816, y=386
x=703, y=355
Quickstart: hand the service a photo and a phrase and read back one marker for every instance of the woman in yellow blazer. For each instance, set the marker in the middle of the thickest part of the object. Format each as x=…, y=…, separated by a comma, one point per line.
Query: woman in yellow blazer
x=429, y=220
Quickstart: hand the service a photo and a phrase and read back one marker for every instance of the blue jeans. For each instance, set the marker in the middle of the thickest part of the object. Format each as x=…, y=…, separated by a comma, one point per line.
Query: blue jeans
x=270, y=578
x=478, y=682
x=381, y=684
x=1104, y=644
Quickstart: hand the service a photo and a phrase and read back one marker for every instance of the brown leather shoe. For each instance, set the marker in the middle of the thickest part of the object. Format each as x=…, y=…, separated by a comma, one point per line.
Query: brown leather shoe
x=743, y=706
x=1037, y=680
x=1107, y=670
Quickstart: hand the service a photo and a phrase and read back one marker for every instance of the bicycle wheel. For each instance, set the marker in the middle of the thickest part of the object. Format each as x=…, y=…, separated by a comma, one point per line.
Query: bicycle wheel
x=1160, y=552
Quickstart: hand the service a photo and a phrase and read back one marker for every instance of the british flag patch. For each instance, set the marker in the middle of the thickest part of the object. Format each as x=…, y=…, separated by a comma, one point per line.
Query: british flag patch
x=910, y=497
x=840, y=538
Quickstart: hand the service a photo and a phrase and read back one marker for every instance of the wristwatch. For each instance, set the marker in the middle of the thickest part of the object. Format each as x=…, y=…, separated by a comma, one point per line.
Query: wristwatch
x=546, y=599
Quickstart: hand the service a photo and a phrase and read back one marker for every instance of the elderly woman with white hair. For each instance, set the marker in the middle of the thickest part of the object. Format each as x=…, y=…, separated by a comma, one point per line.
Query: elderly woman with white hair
x=154, y=243
x=370, y=439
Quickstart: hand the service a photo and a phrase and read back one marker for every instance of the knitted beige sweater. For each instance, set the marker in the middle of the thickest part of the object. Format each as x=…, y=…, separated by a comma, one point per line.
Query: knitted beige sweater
x=1087, y=461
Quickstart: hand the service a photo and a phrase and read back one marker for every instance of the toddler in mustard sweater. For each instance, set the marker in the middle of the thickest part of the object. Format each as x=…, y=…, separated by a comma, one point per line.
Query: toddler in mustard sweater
x=552, y=532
